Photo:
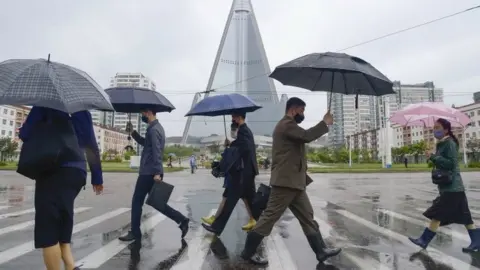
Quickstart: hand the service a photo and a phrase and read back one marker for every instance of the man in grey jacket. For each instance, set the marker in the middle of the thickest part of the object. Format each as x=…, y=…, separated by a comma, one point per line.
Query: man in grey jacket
x=151, y=170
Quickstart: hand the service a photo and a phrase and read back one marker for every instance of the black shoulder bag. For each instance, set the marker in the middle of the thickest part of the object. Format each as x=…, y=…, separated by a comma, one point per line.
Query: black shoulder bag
x=441, y=177
x=51, y=143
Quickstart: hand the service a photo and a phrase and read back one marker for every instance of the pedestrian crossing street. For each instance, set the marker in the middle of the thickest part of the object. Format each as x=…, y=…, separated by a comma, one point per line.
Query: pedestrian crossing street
x=16, y=222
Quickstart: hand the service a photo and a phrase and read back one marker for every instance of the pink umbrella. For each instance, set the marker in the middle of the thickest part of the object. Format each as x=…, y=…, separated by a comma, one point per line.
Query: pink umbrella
x=426, y=113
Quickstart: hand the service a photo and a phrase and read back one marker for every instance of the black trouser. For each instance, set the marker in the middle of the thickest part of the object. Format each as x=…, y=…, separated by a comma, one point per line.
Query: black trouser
x=142, y=188
x=236, y=191
x=54, y=200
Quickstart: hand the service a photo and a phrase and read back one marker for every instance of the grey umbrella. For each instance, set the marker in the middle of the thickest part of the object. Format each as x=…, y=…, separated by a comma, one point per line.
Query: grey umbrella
x=335, y=73
x=40, y=82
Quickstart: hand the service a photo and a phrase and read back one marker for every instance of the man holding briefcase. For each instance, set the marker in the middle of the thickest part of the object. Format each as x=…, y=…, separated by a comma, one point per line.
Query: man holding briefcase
x=151, y=170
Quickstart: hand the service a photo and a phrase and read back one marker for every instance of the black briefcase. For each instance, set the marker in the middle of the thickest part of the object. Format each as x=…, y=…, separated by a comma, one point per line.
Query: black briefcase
x=159, y=195
x=260, y=201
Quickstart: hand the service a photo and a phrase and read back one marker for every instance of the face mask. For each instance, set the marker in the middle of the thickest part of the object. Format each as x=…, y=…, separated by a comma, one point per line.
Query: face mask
x=233, y=134
x=299, y=118
x=234, y=125
x=144, y=119
x=438, y=134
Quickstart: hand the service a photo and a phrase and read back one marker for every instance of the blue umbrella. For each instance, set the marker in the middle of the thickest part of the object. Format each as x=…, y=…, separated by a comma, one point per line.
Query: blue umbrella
x=135, y=99
x=223, y=105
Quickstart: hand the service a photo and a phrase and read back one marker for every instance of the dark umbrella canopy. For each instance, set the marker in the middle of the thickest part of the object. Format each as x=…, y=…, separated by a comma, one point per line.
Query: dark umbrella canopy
x=223, y=105
x=334, y=72
x=135, y=99
x=40, y=82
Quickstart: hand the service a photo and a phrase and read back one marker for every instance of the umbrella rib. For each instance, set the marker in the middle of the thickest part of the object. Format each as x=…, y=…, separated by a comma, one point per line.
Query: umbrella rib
x=370, y=83
x=317, y=81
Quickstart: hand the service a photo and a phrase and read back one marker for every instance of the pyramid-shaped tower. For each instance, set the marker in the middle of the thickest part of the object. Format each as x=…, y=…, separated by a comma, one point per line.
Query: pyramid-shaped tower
x=241, y=66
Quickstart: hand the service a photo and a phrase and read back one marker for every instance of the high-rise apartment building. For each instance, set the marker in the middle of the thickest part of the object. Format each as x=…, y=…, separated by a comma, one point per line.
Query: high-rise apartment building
x=372, y=109
x=119, y=120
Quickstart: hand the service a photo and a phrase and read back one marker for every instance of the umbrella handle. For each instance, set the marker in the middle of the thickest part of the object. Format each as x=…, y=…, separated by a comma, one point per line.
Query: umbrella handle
x=225, y=126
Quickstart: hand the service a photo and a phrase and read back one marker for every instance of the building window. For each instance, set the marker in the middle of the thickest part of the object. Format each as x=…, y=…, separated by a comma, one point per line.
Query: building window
x=5, y=111
x=4, y=121
x=3, y=132
x=12, y=112
x=11, y=123
x=10, y=133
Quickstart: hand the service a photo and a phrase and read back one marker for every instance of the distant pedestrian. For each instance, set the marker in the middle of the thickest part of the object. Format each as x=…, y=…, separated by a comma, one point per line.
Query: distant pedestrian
x=151, y=170
x=55, y=192
x=405, y=161
x=289, y=180
x=193, y=163
x=451, y=206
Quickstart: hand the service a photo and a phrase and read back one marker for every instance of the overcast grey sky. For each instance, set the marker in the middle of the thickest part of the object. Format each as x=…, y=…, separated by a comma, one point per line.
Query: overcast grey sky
x=175, y=42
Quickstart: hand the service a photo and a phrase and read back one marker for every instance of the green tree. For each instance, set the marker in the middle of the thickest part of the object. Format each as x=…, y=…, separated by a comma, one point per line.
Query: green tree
x=8, y=148
x=473, y=145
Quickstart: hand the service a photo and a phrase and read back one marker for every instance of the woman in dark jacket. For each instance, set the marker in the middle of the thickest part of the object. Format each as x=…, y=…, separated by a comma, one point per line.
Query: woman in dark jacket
x=55, y=193
x=451, y=206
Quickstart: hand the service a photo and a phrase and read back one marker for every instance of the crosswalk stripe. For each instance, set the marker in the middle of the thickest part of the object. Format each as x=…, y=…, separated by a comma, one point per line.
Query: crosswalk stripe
x=4, y=207
x=471, y=210
x=16, y=214
x=197, y=250
x=27, y=247
x=327, y=230
x=105, y=253
x=454, y=233
x=276, y=248
x=366, y=263
x=26, y=224
x=436, y=254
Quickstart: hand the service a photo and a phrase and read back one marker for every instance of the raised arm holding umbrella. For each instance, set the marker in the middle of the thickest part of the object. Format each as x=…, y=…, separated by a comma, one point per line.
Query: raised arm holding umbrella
x=57, y=135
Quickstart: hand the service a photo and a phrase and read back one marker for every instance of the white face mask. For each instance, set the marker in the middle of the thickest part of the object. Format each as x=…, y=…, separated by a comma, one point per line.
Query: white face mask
x=233, y=134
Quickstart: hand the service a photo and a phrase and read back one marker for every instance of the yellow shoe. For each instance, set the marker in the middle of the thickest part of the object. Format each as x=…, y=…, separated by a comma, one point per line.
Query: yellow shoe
x=208, y=220
x=251, y=223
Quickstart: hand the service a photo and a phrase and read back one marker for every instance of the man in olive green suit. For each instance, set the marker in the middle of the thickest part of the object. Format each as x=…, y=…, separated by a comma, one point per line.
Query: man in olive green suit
x=289, y=180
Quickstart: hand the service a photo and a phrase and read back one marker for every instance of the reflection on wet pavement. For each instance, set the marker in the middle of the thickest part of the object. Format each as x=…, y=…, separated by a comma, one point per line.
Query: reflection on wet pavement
x=369, y=216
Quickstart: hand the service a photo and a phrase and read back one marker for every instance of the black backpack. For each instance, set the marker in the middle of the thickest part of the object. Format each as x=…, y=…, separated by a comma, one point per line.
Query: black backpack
x=52, y=142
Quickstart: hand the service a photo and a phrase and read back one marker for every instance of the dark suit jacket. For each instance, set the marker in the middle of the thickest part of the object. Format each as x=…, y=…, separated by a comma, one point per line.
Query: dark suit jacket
x=246, y=144
x=289, y=159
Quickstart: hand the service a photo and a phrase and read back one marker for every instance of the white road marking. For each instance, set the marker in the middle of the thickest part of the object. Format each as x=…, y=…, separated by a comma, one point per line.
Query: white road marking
x=197, y=250
x=22, y=249
x=105, y=253
x=26, y=224
x=434, y=253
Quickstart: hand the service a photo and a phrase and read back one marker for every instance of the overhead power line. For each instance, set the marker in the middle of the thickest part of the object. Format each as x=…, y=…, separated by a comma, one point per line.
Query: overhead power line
x=370, y=41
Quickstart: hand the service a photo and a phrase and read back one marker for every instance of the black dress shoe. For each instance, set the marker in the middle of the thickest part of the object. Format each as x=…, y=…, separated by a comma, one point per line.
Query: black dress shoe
x=210, y=229
x=129, y=237
x=249, y=252
x=184, y=227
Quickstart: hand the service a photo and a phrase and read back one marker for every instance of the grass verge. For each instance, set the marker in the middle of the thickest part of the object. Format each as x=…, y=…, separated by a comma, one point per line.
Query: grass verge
x=106, y=167
x=377, y=168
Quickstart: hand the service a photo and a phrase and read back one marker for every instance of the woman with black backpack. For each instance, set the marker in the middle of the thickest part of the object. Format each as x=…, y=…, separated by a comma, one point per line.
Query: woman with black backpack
x=451, y=206
x=56, y=187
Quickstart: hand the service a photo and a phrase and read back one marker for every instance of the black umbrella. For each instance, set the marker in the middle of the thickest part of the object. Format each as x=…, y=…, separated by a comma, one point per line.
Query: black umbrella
x=40, y=82
x=135, y=99
x=335, y=73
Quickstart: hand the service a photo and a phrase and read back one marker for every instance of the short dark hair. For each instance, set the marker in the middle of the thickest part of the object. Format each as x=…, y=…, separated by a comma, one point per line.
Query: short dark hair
x=294, y=102
x=240, y=113
x=148, y=110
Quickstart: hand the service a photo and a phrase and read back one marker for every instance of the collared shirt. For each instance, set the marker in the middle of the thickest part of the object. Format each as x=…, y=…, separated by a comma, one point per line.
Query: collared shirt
x=151, y=162
x=83, y=125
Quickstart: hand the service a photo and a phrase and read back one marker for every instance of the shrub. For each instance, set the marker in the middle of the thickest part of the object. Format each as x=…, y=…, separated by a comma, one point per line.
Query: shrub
x=474, y=164
x=2, y=163
x=430, y=164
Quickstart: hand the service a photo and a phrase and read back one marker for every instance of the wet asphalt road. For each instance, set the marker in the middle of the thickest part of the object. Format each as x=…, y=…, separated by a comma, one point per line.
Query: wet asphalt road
x=368, y=215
